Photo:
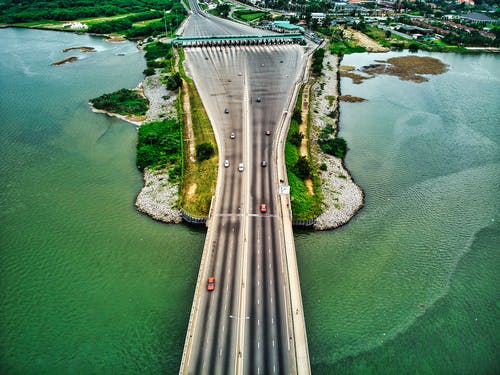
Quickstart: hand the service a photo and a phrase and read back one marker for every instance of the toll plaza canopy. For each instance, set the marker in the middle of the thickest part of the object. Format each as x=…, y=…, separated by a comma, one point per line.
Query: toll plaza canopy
x=238, y=39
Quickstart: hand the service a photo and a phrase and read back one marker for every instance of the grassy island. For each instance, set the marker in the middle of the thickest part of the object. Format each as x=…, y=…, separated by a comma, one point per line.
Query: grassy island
x=124, y=102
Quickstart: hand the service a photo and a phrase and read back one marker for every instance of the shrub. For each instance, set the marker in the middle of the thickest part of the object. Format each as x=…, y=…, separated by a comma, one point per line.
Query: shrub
x=297, y=115
x=295, y=138
x=174, y=81
x=413, y=47
x=302, y=168
x=323, y=166
x=334, y=146
x=158, y=144
x=148, y=72
x=204, y=151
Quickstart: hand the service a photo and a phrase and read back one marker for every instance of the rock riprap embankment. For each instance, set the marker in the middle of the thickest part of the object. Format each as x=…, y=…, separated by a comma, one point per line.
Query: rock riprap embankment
x=342, y=197
x=158, y=198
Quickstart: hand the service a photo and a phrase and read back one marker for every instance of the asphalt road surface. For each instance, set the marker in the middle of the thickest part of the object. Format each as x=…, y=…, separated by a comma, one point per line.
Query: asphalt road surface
x=244, y=326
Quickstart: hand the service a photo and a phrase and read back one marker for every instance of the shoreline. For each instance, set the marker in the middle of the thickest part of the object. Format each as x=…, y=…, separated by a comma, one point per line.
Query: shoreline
x=342, y=197
x=158, y=198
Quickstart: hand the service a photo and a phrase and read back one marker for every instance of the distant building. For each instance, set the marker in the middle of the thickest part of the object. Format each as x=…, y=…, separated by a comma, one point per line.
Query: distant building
x=477, y=17
x=318, y=16
x=75, y=25
x=286, y=27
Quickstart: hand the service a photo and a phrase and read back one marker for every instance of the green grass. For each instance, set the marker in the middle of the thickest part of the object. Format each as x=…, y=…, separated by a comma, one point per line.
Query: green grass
x=344, y=47
x=305, y=206
x=58, y=24
x=248, y=15
x=145, y=22
x=202, y=175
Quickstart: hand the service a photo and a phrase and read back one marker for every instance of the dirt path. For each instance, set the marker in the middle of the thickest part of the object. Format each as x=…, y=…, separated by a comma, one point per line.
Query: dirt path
x=186, y=107
x=303, y=129
x=365, y=41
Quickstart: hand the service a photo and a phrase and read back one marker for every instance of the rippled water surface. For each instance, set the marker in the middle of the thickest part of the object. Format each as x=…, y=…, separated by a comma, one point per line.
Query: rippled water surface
x=411, y=285
x=87, y=284
x=90, y=286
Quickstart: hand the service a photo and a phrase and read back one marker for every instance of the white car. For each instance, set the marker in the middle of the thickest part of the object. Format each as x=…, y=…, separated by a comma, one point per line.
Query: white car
x=226, y=163
x=232, y=136
x=240, y=168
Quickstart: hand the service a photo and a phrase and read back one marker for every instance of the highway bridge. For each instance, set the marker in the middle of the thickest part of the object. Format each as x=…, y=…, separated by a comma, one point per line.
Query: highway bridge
x=251, y=321
x=237, y=40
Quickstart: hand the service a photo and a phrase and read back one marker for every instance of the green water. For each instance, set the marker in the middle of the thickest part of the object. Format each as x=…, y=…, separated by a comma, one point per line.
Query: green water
x=411, y=285
x=90, y=286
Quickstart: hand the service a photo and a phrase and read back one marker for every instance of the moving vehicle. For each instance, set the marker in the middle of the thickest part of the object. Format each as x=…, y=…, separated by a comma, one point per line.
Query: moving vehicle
x=263, y=208
x=226, y=163
x=264, y=163
x=211, y=284
x=240, y=167
x=232, y=136
x=259, y=99
x=268, y=132
x=226, y=110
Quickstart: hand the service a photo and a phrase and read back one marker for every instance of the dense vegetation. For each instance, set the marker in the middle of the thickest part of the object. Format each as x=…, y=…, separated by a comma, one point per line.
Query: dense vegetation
x=111, y=16
x=163, y=22
x=124, y=102
x=159, y=146
x=222, y=10
x=334, y=146
x=317, y=61
x=158, y=55
x=12, y=11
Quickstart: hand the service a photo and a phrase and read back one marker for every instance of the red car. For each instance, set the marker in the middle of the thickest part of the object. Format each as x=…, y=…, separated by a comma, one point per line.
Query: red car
x=211, y=284
x=263, y=208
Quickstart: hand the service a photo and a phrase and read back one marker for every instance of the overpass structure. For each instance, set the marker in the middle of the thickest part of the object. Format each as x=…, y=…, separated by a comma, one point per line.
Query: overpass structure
x=237, y=40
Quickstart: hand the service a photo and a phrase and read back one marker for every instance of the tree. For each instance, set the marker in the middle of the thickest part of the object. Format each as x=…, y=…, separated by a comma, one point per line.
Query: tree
x=297, y=115
x=302, y=168
x=413, y=47
x=204, y=151
x=174, y=81
x=223, y=10
x=295, y=138
x=334, y=146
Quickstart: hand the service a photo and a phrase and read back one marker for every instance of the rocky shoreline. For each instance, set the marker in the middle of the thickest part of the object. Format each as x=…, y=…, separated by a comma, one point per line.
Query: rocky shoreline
x=159, y=197
x=342, y=197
